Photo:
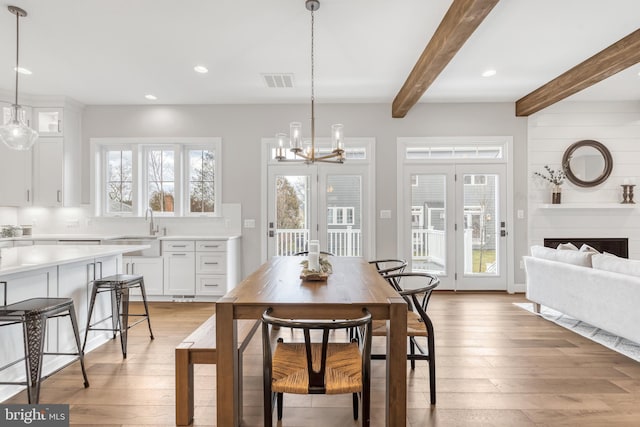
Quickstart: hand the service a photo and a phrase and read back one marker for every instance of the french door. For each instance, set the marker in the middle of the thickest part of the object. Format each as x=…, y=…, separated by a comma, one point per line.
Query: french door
x=455, y=224
x=317, y=202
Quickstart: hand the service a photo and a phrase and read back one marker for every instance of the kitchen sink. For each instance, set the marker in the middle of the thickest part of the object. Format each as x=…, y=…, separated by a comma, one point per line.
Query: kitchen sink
x=152, y=241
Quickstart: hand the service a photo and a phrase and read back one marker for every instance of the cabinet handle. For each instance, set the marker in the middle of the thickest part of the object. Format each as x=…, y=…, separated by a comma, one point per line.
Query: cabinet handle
x=178, y=246
x=59, y=196
x=179, y=254
x=211, y=246
x=211, y=286
x=210, y=263
x=28, y=195
x=59, y=126
x=133, y=268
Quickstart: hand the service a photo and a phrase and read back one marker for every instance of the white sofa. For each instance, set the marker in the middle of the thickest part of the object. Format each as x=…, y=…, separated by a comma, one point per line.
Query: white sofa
x=600, y=289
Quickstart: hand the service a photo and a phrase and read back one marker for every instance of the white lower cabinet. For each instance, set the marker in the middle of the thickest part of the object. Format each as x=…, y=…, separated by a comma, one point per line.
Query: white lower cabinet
x=207, y=268
x=152, y=268
x=179, y=274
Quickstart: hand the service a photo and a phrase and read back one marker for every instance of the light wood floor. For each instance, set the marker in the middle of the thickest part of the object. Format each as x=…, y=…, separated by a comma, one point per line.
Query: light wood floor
x=497, y=365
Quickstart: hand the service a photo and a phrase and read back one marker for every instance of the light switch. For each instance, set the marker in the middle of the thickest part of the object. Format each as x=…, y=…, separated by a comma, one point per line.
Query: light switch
x=520, y=214
x=385, y=214
x=249, y=223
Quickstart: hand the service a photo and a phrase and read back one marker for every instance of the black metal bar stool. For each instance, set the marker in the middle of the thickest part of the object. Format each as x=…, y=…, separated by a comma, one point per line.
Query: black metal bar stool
x=33, y=314
x=119, y=286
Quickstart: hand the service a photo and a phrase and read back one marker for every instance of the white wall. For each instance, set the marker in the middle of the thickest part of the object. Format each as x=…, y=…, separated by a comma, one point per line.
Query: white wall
x=241, y=128
x=551, y=132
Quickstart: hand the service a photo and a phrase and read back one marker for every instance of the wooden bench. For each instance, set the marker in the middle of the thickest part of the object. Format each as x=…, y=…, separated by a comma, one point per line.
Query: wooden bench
x=200, y=348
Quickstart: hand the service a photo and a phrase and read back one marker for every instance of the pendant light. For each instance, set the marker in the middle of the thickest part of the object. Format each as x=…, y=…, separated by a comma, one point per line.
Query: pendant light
x=306, y=151
x=16, y=134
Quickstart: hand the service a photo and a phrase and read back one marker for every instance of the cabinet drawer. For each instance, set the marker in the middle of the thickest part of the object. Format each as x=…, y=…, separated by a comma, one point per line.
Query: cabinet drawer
x=211, y=262
x=211, y=284
x=178, y=246
x=211, y=245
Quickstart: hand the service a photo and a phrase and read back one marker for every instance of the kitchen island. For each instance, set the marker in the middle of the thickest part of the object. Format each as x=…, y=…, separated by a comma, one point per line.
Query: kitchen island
x=55, y=271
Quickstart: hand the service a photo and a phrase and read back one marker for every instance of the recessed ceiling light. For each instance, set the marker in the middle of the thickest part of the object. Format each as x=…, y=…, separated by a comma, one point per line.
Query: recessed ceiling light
x=151, y=97
x=23, y=70
x=489, y=73
x=201, y=69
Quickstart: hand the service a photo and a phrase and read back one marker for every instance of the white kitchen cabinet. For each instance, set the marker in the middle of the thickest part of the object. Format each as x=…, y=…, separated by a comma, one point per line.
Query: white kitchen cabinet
x=17, y=243
x=48, y=172
x=49, y=121
x=57, y=156
x=151, y=268
x=15, y=177
x=204, y=268
x=179, y=268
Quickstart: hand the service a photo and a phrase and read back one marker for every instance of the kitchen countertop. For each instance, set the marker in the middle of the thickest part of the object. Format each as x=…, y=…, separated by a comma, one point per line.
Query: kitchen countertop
x=107, y=237
x=28, y=258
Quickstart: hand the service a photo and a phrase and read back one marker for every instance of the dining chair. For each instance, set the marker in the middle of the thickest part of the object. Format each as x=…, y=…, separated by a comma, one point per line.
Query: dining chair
x=418, y=322
x=388, y=266
x=316, y=367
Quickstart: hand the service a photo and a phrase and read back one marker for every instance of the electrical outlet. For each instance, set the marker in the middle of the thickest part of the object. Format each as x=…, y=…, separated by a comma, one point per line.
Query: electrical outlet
x=249, y=223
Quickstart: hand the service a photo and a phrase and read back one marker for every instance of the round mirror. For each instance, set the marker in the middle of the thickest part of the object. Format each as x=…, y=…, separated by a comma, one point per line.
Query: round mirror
x=587, y=163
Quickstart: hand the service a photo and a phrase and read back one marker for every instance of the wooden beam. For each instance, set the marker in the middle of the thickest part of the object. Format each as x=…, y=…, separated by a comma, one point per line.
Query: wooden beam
x=460, y=21
x=617, y=57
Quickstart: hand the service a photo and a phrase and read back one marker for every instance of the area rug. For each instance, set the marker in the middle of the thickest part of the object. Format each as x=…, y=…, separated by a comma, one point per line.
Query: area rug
x=607, y=339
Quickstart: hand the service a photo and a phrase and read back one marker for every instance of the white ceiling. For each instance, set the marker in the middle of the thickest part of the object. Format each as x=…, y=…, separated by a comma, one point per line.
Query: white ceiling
x=116, y=51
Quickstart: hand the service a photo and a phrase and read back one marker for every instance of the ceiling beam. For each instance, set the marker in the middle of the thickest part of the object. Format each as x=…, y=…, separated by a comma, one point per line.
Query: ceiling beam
x=617, y=57
x=460, y=21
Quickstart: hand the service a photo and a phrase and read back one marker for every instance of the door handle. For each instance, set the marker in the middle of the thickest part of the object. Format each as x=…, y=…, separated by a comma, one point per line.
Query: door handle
x=271, y=233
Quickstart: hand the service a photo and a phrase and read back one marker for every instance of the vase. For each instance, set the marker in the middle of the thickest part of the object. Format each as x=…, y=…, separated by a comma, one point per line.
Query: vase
x=556, y=195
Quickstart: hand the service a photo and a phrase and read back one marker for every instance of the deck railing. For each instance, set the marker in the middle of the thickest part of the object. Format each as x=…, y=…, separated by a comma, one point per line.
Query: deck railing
x=341, y=242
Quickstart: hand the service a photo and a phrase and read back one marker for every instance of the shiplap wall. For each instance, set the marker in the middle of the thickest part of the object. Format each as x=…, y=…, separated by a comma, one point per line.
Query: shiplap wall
x=550, y=133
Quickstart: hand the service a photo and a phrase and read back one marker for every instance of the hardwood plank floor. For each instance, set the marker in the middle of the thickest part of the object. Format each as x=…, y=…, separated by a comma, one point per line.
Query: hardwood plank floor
x=497, y=365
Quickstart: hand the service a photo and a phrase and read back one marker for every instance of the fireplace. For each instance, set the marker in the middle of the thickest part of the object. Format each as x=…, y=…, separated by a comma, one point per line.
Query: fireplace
x=612, y=245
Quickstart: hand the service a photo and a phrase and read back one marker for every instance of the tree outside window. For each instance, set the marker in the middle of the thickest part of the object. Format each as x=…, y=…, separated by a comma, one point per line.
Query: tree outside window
x=201, y=181
x=161, y=180
x=119, y=181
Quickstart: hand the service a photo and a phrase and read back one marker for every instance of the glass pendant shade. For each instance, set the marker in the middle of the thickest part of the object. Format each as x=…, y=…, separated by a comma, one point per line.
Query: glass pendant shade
x=337, y=138
x=15, y=134
x=295, y=135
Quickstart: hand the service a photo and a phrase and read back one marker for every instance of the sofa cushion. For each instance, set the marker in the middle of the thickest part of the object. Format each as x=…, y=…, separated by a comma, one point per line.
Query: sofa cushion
x=587, y=248
x=570, y=257
x=616, y=264
x=567, y=246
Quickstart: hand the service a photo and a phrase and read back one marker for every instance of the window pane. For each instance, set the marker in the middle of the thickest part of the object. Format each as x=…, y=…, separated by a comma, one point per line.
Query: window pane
x=118, y=181
x=201, y=181
x=161, y=186
x=428, y=231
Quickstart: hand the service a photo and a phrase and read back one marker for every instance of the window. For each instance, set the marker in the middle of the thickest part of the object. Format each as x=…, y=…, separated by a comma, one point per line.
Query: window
x=176, y=177
x=119, y=181
x=340, y=215
x=201, y=180
x=161, y=194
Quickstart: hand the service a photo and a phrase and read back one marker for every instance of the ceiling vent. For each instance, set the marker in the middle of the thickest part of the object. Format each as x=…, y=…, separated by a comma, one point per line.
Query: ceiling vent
x=278, y=80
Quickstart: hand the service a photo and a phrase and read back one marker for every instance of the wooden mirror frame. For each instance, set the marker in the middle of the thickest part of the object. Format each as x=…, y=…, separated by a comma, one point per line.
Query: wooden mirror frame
x=606, y=155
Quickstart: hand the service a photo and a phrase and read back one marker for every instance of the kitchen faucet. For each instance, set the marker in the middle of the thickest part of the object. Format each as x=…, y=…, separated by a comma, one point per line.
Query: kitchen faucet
x=148, y=214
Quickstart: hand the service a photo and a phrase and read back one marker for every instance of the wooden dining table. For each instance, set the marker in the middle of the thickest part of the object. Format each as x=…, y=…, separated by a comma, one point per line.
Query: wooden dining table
x=353, y=285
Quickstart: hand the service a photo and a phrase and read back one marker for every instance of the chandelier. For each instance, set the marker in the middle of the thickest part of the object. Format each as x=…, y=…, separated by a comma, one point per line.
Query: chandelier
x=16, y=134
x=306, y=150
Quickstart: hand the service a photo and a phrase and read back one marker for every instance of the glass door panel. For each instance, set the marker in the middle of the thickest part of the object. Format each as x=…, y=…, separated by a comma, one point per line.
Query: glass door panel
x=428, y=223
x=344, y=215
x=292, y=214
x=480, y=191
